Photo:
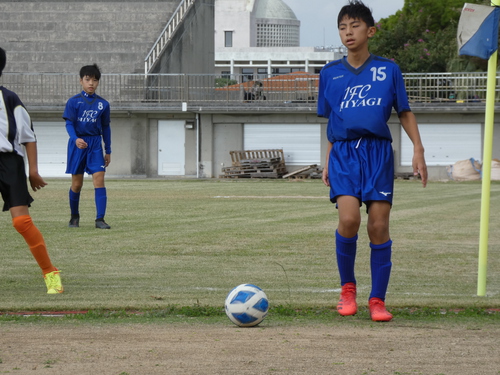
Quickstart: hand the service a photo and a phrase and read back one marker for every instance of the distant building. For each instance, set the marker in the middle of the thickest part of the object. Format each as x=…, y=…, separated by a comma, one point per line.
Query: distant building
x=261, y=38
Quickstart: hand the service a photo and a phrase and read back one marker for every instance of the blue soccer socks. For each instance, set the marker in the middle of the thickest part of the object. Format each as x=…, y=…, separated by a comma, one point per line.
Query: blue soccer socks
x=101, y=200
x=346, y=257
x=74, y=202
x=380, y=264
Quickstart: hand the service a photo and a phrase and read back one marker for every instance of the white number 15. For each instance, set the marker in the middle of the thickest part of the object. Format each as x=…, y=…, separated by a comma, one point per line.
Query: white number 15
x=379, y=74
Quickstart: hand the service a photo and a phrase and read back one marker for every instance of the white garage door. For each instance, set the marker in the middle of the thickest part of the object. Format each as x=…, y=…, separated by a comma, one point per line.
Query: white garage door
x=444, y=144
x=301, y=143
x=52, y=141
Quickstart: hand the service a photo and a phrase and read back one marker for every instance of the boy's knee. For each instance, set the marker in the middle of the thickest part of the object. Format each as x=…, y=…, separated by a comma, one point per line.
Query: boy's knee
x=350, y=223
x=378, y=232
x=76, y=183
x=76, y=187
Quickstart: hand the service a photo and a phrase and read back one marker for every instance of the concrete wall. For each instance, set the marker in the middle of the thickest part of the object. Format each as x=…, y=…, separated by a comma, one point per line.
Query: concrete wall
x=61, y=36
x=191, y=50
x=234, y=16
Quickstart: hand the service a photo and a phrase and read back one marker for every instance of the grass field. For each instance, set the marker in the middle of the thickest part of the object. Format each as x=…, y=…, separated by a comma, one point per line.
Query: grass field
x=186, y=243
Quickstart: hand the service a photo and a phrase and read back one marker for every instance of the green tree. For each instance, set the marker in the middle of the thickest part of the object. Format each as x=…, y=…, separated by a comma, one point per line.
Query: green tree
x=422, y=37
x=223, y=82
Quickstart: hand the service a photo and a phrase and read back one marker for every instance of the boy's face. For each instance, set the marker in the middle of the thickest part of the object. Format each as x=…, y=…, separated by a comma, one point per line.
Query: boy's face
x=354, y=33
x=89, y=84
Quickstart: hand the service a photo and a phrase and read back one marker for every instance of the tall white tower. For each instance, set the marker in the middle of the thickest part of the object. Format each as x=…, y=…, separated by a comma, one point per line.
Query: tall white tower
x=255, y=23
x=277, y=25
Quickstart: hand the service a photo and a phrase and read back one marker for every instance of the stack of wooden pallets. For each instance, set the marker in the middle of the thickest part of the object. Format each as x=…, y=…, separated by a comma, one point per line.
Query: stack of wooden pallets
x=256, y=164
x=311, y=171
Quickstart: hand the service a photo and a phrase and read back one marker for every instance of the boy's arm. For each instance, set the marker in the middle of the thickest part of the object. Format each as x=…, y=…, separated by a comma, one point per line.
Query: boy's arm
x=70, y=128
x=106, y=130
x=70, y=116
x=27, y=138
x=325, y=178
x=36, y=181
x=410, y=126
x=106, y=137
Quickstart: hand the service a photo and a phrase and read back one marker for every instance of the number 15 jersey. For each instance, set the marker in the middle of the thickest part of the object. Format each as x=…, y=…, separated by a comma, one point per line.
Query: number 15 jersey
x=358, y=102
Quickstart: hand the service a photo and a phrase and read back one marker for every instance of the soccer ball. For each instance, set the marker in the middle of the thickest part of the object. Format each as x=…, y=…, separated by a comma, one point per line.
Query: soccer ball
x=246, y=305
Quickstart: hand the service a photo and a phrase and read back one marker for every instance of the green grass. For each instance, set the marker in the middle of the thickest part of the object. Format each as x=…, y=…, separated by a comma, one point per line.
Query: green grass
x=183, y=244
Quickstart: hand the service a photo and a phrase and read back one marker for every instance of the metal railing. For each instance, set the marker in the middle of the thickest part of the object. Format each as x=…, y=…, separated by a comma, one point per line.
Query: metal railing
x=447, y=87
x=205, y=91
x=166, y=35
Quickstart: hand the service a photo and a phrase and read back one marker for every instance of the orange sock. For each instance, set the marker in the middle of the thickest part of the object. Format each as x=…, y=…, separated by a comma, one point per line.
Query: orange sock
x=24, y=225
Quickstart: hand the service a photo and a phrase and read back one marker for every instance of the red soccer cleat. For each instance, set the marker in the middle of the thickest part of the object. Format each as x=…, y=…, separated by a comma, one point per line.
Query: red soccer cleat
x=347, y=304
x=378, y=312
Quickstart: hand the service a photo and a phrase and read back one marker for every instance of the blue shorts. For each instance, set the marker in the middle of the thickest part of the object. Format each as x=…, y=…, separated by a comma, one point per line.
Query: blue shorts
x=90, y=159
x=362, y=168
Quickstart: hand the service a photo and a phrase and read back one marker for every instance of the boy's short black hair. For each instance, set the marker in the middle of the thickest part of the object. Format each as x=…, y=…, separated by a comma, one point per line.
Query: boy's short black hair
x=357, y=11
x=92, y=71
x=3, y=60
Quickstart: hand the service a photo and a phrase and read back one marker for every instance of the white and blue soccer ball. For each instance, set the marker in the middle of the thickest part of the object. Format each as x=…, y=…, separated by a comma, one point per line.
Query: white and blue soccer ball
x=246, y=305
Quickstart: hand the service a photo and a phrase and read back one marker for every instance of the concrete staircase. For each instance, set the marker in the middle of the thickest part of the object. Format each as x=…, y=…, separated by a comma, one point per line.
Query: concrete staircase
x=62, y=36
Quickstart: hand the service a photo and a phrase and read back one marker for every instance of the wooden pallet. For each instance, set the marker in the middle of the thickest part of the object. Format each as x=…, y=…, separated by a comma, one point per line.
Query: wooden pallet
x=255, y=164
x=311, y=171
x=245, y=155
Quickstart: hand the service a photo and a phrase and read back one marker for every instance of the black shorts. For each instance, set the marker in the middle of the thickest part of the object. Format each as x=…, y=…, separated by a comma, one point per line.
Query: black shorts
x=13, y=185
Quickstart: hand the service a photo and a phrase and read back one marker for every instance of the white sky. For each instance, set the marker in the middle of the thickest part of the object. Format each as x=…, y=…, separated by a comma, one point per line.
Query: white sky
x=318, y=18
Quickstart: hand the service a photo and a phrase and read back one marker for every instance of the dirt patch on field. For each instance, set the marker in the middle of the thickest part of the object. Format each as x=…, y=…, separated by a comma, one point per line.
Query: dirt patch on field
x=224, y=349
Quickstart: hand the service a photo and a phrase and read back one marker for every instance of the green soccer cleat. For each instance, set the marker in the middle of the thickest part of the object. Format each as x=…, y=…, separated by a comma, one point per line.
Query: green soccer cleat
x=53, y=282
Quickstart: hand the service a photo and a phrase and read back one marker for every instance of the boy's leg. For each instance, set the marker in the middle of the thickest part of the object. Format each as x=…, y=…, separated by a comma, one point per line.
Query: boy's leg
x=74, y=199
x=380, y=259
x=346, y=257
x=380, y=264
x=101, y=200
x=22, y=222
x=346, y=236
x=346, y=241
x=381, y=247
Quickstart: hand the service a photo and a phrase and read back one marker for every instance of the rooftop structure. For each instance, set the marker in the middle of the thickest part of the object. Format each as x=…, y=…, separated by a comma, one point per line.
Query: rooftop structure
x=261, y=38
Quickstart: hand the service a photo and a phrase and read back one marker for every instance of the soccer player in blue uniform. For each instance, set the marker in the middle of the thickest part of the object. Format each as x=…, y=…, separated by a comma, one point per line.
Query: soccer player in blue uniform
x=17, y=138
x=357, y=94
x=87, y=118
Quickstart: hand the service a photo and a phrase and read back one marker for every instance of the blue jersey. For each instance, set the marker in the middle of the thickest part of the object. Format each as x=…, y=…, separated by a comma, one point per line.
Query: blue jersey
x=88, y=115
x=358, y=102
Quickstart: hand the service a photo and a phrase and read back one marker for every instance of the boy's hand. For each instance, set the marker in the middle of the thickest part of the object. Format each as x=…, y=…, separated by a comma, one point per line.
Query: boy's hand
x=107, y=159
x=325, y=178
x=419, y=167
x=80, y=143
x=36, y=181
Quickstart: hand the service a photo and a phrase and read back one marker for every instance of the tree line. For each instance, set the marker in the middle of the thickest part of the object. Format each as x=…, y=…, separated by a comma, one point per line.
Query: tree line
x=422, y=37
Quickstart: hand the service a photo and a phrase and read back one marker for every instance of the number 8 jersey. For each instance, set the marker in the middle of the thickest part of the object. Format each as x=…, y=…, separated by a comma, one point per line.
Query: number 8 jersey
x=88, y=114
x=358, y=102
